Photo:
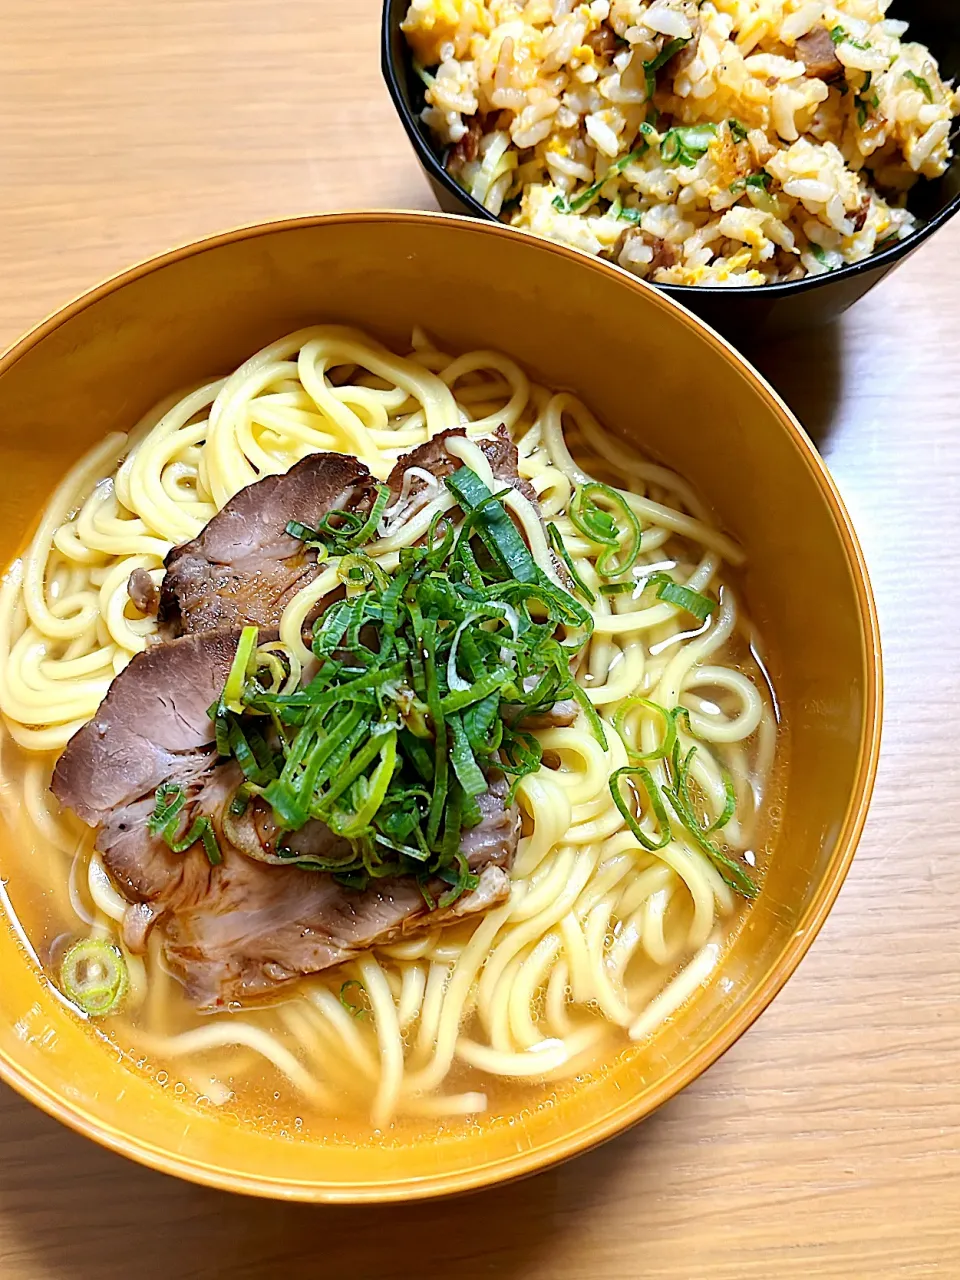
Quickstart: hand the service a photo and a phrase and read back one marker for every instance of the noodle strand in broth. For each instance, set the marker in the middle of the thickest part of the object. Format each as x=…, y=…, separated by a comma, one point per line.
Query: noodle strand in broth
x=601, y=939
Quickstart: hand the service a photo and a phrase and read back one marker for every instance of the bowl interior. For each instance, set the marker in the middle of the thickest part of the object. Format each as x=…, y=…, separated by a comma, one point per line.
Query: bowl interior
x=935, y=23
x=654, y=375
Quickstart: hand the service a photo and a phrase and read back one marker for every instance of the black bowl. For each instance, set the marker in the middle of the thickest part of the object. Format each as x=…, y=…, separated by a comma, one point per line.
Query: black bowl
x=767, y=309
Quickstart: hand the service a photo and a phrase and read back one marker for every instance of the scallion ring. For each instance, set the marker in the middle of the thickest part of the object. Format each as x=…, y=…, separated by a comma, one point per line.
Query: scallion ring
x=671, y=592
x=93, y=975
x=232, y=698
x=607, y=527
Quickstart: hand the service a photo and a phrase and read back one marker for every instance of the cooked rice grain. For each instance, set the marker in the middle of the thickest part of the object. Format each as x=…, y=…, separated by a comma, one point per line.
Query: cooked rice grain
x=780, y=139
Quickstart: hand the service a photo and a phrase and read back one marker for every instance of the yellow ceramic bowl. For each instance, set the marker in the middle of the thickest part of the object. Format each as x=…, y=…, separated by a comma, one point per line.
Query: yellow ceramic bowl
x=654, y=374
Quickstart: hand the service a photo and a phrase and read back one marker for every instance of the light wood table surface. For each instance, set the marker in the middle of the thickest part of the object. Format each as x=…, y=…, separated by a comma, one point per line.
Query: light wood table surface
x=827, y=1142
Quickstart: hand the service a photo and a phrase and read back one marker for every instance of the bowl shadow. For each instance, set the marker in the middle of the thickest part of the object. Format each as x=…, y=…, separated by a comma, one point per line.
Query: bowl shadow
x=807, y=370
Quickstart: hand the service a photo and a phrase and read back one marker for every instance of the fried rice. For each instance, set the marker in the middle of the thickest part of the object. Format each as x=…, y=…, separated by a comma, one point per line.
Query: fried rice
x=728, y=142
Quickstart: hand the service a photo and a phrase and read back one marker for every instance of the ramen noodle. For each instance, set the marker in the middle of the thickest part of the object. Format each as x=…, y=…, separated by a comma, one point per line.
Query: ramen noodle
x=603, y=934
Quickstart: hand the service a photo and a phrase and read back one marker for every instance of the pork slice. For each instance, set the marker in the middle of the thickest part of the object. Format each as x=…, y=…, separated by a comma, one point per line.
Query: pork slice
x=151, y=725
x=269, y=926
x=493, y=841
x=244, y=567
x=665, y=255
x=237, y=930
x=818, y=54
x=432, y=456
x=467, y=149
x=603, y=42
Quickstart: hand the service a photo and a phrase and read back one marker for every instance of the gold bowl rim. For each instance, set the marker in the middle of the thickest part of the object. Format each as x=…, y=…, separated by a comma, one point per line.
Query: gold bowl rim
x=617, y=1119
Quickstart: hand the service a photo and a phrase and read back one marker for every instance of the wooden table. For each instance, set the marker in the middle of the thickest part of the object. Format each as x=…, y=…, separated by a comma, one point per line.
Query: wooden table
x=827, y=1142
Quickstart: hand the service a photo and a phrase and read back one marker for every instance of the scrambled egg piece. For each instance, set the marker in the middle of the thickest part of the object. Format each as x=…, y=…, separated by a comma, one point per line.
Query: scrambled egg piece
x=432, y=24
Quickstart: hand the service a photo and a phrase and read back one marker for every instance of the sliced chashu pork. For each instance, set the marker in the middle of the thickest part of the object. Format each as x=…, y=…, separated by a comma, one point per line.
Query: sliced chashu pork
x=235, y=931
x=818, y=53
x=244, y=567
x=433, y=457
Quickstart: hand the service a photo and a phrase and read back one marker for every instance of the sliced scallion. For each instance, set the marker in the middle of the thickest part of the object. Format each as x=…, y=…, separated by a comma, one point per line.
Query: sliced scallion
x=671, y=592
x=645, y=777
x=607, y=527
x=233, y=689
x=494, y=525
x=556, y=541
x=669, y=50
x=169, y=801
x=93, y=974
x=564, y=204
x=922, y=84
x=357, y=1010
x=686, y=144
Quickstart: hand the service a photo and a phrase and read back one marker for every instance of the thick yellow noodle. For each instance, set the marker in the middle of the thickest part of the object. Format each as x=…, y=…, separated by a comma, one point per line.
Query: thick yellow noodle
x=599, y=938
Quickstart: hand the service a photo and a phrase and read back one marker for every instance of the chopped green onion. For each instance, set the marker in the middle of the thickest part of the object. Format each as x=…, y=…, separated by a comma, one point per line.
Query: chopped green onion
x=350, y=531
x=671, y=592
x=233, y=690
x=922, y=85
x=759, y=180
x=819, y=253
x=302, y=532
x=369, y=526
x=93, y=975
x=678, y=795
x=563, y=204
x=423, y=677
x=598, y=524
x=580, y=696
x=494, y=525
x=629, y=214
x=670, y=718
x=669, y=50
x=169, y=799
x=729, y=803
x=738, y=130
x=592, y=520
x=687, y=144
x=617, y=588
x=374, y=791
x=650, y=787
x=556, y=541
x=203, y=831
x=677, y=792
x=839, y=35
x=169, y=802
x=358, y=573
x=357, y=1010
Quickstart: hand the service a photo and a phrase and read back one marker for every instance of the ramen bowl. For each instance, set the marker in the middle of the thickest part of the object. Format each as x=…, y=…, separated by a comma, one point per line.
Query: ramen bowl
x=654, y=374
x=745, y=312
